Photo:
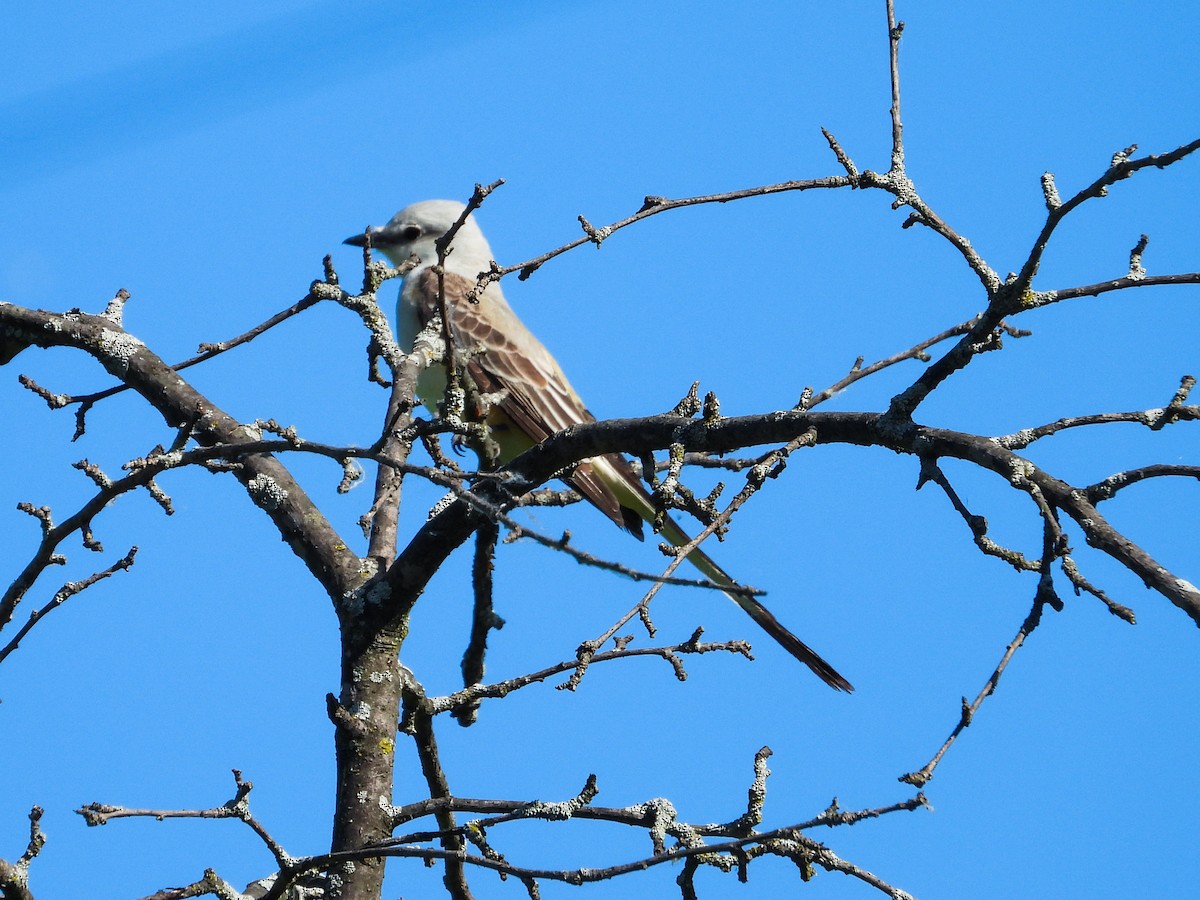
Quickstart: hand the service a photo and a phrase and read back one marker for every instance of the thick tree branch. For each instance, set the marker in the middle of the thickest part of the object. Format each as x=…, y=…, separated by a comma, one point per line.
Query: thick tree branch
x=270, y=485
x=450, y=527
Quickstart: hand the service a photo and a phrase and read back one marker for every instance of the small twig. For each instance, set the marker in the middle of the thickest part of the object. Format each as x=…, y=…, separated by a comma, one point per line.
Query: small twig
x=895, y=29
x=1106, y=489
x=443, y=247
x=1122, y=167
x=1154, y=419
x=1038, y=299
x=420, y=726
x=917, y=351
x=931, y=471
x=655, y=205
x=1082, y=585
x=483, y=619
x=473, y=693
x=62, y=595
x=236, y=808
x=922, y=777
x=842, y=157
x=14, y=877
x=206, y=352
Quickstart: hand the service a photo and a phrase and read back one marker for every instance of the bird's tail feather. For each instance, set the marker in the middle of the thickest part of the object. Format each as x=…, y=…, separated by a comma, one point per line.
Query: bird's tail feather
x=615, y=472
x=759, y=613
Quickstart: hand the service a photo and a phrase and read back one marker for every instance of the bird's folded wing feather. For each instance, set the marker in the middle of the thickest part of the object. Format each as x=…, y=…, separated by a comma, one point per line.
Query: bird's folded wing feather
x=505, y=360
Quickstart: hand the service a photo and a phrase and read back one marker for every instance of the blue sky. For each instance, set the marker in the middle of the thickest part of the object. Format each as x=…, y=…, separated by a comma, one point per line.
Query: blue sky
x=206, y=157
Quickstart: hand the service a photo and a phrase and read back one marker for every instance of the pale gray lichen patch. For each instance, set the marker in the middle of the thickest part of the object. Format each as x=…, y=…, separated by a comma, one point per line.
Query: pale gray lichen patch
x=324, y=291
x=438, y=705
x=1021, y=469
x=374, y=594
x=118, y=348
x=380, y=677
x=553, y=812
x=662, y=815
x=1153, y=416
x=266, y=492
x=170, y=460
x=114, y=310
x=1016, y=440
x=1050, y=190
x=429, y=347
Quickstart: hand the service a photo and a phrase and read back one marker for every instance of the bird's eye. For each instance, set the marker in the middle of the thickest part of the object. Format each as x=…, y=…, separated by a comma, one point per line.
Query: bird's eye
x=411, y=233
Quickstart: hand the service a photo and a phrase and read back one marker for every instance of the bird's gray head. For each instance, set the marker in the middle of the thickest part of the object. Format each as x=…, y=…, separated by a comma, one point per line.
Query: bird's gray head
x=416, y=228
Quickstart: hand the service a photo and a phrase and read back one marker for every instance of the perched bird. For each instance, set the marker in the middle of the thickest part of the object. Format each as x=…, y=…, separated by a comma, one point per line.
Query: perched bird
x=526, y=396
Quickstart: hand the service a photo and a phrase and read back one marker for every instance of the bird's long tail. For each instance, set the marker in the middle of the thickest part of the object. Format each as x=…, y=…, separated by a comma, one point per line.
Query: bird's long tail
x=631, y=495
x=756, y=611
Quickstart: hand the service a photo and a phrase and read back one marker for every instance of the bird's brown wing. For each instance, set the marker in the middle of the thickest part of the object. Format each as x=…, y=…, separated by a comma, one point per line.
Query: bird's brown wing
x=527, y=390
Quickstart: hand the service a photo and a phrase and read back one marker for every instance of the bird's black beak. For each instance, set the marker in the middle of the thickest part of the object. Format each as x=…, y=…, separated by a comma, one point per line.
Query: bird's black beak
x=381, y=236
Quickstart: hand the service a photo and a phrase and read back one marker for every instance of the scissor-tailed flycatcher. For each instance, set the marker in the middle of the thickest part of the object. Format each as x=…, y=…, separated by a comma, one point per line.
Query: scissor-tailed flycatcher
x=528, y=397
